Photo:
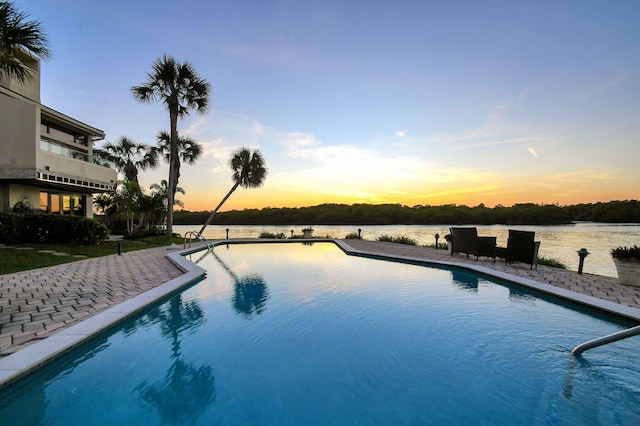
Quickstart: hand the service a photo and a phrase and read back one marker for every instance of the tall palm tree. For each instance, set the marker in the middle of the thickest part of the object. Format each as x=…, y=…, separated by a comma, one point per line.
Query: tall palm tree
x=179, y=87
x=249, y=171
x=19, y=37
x=129, y=157
x=188, y=152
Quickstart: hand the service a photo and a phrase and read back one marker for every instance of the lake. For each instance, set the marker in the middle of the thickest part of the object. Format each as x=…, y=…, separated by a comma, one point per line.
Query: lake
x=558, y=242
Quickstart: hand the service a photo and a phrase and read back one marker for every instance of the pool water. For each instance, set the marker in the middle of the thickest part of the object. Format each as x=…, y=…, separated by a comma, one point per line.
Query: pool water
x=304, y=334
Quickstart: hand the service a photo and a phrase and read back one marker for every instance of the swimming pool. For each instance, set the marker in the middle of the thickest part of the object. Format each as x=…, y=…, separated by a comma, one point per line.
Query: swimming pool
x=304, y=334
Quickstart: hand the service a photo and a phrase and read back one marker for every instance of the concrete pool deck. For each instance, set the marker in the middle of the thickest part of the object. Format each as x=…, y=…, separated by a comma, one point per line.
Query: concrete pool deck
x=43, y=311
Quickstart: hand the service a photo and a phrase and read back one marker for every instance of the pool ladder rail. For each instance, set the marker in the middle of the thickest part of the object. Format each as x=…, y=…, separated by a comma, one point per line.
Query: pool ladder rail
x=614, y=337
x=196, y=235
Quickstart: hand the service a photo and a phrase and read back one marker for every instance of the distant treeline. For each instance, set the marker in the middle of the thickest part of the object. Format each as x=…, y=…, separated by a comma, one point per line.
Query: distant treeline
x=395, y=214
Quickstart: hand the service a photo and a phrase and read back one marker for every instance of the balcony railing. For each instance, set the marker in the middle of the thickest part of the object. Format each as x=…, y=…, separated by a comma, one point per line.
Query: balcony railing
x=59, y=149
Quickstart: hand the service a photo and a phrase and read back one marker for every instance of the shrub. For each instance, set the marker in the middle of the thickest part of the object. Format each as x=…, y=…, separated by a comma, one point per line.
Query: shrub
x=89, y=232
x=554, y=263
x=353, y=236
x=626, y=253
x=50, y=229
x=398, y=240
x=279, y=236
x=147, y=232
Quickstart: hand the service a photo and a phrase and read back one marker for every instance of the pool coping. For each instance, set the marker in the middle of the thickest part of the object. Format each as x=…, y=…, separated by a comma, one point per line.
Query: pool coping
x=21, y=363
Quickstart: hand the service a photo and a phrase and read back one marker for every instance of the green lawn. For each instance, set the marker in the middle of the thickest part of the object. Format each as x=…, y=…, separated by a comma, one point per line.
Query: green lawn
x=21, y=257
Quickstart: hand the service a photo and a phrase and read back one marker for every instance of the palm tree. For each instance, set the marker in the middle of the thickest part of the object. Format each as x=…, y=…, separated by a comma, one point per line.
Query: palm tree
x=179, y=87
x=162, y=189
x=19, y=38
x=188, y=152
x=249, y=171
x=106, y=204
x=128, y=198
x=129, y=157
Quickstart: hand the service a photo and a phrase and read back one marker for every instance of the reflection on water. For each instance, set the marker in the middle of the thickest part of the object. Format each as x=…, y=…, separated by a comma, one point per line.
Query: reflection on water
x=250, y=291
x=557, y=242
x=186, y=390
x=465, y=279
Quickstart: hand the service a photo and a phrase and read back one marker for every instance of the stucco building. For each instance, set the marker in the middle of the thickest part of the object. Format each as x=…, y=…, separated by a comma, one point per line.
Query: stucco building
x=46, y=157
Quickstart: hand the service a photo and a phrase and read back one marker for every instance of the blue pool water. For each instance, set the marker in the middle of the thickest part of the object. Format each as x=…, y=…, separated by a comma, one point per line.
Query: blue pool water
x=304, y=334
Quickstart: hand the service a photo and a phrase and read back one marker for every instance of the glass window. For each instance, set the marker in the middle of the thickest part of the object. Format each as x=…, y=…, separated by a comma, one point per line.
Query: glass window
x=55, y=203
x=66, y=204
x=78, y=205
x=57, y=148
x=44, y=201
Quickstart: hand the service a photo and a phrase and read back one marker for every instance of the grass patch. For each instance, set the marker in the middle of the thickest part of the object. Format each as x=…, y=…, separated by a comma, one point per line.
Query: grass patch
x=22, y=257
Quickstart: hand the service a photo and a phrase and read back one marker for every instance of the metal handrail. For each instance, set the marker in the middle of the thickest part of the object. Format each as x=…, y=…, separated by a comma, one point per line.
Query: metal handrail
x=199, y=236
x=606, y=339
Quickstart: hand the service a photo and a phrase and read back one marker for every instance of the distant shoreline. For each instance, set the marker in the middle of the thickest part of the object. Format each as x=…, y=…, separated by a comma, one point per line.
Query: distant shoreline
x=627, y=211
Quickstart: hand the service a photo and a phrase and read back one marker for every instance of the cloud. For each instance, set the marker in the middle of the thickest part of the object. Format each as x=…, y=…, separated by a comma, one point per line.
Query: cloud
x=400, y=133
x=299, y=145
x=532, y=151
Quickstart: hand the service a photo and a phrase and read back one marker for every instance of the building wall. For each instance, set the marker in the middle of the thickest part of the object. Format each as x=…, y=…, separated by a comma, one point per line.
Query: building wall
x=20, y=123
x=29, y=88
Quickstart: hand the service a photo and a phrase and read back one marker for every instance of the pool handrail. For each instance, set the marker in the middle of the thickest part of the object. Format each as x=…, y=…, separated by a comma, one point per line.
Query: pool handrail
x=610, y=338
x=193, y=234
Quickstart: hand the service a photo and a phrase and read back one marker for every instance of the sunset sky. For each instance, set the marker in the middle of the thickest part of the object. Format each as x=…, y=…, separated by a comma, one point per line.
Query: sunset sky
x=349, y=101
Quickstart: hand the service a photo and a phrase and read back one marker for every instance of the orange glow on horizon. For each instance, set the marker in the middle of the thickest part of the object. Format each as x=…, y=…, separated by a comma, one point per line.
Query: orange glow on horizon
x=255, y=200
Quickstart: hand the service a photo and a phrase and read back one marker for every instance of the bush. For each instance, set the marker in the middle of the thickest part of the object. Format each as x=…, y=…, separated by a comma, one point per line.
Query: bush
x=554, y=263
x=279, y=236
x=398, y=240
x=89, y=232
x=626, y=253
x=148, y=232
x=50, y=229
x=353, y=236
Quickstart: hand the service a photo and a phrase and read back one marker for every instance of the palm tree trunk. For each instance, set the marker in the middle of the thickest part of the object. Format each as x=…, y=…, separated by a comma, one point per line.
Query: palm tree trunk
x=210, y=218
x=173, y=143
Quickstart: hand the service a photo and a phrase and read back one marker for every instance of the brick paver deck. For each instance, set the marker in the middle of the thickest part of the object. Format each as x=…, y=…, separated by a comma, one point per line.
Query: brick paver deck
x=35, y=304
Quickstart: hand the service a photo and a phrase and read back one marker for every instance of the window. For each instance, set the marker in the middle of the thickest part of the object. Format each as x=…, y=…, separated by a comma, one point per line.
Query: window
x=78, y=205
x=57, y=148
x=55, y=203
x=44, y=201
x=62, y=134
x=63, y=203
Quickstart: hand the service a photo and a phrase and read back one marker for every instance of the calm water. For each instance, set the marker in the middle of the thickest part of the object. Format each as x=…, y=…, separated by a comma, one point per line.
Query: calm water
x=293, y=334
x=558, y=242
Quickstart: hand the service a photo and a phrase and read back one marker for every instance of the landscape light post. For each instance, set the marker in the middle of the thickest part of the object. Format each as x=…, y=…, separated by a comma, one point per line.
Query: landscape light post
x=582, y=253
x=437, y=236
